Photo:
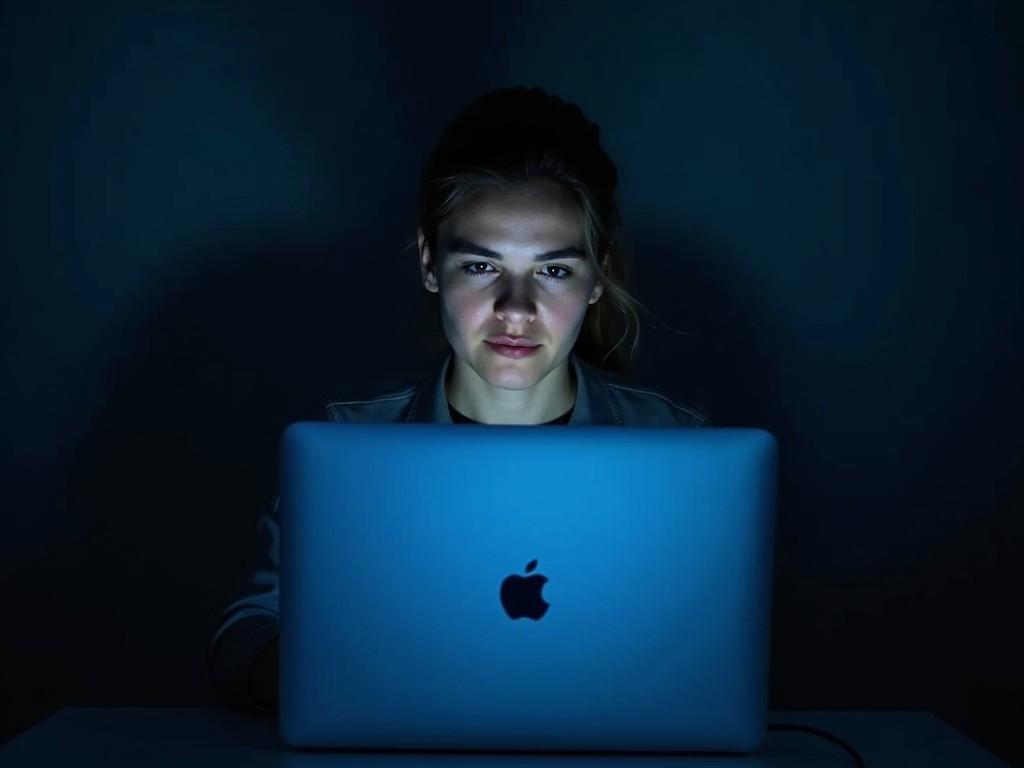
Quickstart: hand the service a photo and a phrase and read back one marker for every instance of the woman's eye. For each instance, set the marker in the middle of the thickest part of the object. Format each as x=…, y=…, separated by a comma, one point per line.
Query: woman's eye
x=469, y=269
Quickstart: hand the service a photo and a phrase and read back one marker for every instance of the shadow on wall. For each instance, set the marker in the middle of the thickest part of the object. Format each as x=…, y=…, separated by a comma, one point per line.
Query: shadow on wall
x=702, y=346
x=184, y=451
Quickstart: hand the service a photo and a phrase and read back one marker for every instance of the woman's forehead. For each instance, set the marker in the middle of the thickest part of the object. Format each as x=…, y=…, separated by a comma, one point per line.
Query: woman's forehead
x=525, y=217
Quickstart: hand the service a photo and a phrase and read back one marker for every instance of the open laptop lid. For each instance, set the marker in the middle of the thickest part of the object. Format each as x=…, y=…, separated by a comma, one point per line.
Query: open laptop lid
x=506, y=587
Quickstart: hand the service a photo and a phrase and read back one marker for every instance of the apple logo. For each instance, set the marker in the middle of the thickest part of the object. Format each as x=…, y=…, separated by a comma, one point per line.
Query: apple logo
x=520, y=595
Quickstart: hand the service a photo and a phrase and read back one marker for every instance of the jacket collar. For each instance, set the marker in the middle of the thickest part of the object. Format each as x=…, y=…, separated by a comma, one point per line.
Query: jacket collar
x=593, y=401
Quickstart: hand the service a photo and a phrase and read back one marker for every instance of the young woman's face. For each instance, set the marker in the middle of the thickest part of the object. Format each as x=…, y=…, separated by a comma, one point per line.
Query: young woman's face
x=493, y=280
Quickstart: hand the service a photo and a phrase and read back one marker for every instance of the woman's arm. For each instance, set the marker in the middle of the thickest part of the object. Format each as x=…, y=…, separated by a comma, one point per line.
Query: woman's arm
x=242, y=641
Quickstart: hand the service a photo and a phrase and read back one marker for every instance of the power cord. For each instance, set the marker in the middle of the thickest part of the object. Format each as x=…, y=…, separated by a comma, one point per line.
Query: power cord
x=824, y=734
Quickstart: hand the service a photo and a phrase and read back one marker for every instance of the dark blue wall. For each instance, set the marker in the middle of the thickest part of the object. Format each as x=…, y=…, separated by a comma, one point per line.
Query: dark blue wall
x=204, y=217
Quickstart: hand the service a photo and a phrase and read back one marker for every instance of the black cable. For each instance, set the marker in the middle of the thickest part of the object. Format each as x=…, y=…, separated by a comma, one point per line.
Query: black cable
x=824, y=734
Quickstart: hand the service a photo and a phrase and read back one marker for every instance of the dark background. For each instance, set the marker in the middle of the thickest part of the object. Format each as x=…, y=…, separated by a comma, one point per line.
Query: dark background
x=206, y=210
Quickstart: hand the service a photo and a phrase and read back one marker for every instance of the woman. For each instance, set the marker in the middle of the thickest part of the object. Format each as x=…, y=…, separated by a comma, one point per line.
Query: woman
x=522, y=263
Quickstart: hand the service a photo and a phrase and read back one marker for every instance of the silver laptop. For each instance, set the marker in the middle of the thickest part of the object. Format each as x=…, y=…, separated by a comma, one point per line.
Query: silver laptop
x=486, y=587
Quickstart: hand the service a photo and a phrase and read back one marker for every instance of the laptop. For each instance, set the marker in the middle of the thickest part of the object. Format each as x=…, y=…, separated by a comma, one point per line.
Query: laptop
x=504, y=587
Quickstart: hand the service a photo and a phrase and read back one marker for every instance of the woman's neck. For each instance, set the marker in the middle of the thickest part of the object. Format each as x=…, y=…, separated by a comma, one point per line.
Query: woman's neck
x=473, y=397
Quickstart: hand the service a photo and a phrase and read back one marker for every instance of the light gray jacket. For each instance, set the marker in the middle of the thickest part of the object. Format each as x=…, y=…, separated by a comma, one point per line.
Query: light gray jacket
x=250, y=620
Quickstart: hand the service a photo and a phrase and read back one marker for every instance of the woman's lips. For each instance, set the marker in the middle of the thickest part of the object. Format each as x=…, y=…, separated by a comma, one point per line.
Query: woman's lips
x=513, y=352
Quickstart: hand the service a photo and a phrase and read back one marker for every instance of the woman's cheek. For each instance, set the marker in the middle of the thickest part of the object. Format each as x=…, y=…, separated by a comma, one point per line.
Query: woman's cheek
x=463, y=308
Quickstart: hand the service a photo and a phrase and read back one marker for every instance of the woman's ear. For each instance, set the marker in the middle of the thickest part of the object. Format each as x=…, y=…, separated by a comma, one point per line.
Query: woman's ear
x=426, y=263
x=598, y=289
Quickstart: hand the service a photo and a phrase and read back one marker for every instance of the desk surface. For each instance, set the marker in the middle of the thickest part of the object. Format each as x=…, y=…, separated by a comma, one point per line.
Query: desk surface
x=137, y=736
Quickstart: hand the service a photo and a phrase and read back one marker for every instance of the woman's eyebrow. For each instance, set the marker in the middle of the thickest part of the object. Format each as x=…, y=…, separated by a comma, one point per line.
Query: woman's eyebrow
x=461, y=245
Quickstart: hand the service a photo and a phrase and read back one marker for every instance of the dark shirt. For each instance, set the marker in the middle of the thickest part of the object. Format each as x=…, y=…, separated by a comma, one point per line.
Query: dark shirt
x=461, y=418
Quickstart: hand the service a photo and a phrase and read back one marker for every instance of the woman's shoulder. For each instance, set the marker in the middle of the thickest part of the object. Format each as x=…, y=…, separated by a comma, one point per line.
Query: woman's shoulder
x=385, y=399
x=641, y=403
